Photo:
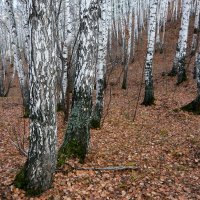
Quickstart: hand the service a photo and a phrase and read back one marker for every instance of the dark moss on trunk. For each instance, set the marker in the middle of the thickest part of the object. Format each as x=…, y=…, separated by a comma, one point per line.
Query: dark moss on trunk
x=26, y=112
x=72, y=149
x=149, y=95
x=96, y=116
x=77, y=136
x=181, y=71
x=22, y=182
x=98, y=109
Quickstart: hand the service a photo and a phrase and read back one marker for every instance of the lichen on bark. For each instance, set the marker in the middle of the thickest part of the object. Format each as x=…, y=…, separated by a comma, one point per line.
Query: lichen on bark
x=76, y=141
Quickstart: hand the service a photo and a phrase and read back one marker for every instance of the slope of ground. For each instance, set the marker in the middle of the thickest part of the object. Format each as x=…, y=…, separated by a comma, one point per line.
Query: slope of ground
x=162, y=141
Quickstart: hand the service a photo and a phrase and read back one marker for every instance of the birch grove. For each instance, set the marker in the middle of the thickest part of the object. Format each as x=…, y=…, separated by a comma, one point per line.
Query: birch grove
x=64, y=53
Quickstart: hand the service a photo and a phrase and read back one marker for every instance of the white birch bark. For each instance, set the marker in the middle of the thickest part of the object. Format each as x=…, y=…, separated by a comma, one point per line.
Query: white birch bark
x=179, y=59
x=104, y=22
x=164, y=20
x=26, y=32
x=182, y=43
x=17, y=57
x=149, y=93
x=77, y=136
x=158, y=42
x=36, y=176
x=128, y=48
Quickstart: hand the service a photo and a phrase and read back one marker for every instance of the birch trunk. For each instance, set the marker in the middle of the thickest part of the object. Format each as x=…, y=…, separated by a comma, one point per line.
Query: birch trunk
x=181, y=55
x=179, y=60
x=128, y=49
x=17, y=56
x=149, y=92
x=76, y=141
x=36, y=176
x=104, y=23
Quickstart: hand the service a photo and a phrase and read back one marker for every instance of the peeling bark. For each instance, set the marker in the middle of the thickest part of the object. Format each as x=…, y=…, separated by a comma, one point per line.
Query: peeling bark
x=76, y=141
x=17, y=56
x=104, y=23
x=149, y=92
x=36, y=176
x=179, y=60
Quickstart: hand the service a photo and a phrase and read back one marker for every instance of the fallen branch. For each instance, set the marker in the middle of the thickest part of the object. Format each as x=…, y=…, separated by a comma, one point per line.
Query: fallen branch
x=110, y=168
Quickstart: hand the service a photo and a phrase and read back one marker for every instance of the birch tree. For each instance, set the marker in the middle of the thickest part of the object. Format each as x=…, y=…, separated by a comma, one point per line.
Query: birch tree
x=128, y=35
x=104, y=22
x=17, y=56
x=36, y=175
x=76, y=141
x=149, y=91
x=180, y=57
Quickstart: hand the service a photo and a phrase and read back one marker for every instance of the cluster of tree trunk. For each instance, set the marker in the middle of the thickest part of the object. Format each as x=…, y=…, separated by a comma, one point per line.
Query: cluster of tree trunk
x=66, y=45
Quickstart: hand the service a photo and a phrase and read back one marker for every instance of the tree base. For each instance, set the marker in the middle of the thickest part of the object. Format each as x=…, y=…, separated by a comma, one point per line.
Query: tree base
x=148, y=96
x=124, y=82
x=193, y=107
x=22, y=182
x=181, y=78
x=71, y=149
x=148, y=101
x=95, y=122
x=124, y=86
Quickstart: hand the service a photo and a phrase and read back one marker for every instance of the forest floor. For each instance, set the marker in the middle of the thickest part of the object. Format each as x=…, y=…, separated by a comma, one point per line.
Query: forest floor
x=162, y=140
